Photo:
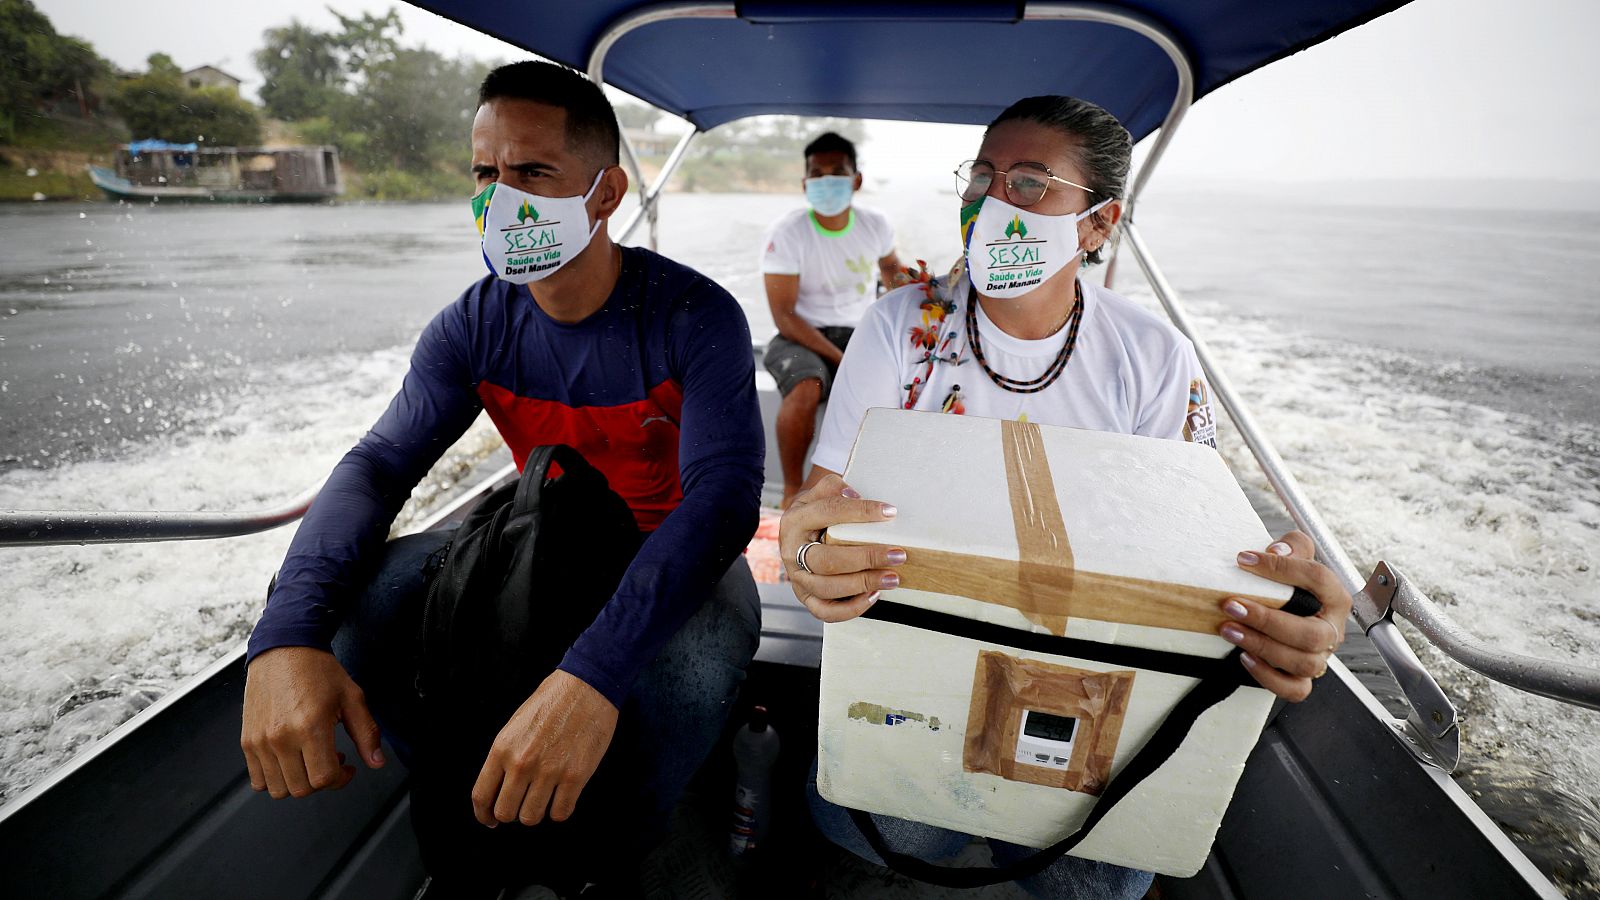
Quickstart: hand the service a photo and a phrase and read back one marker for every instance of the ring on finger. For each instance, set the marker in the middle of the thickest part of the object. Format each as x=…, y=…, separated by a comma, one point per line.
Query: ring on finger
x=1334, y=645
x=800, y=556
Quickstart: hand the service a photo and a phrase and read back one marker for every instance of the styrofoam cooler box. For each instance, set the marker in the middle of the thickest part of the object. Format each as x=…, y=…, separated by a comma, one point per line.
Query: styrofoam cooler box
x=1122, y=543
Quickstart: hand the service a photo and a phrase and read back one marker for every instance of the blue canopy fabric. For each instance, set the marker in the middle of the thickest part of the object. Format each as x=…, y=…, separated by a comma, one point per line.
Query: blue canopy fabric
x=957, y=62
x=151, y=145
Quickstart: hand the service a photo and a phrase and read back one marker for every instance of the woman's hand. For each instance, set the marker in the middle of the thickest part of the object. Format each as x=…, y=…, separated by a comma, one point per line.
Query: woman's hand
x=842, y=581
x=1285, y=652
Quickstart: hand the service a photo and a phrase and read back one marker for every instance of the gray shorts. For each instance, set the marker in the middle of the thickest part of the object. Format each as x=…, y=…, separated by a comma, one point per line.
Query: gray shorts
x=792, y=363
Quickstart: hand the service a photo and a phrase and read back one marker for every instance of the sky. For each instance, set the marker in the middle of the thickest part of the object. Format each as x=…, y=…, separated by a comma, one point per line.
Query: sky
x=1440, y=89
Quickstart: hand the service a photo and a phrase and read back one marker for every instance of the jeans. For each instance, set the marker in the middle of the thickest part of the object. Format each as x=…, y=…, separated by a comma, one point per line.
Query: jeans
x=679, y=703
x=1068, y=878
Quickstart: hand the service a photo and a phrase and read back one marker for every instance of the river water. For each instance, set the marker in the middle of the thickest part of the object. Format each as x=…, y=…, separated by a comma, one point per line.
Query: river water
x=1428, y=373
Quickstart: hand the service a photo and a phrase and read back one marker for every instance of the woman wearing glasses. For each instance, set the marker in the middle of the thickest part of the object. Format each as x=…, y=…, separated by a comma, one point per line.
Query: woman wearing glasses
x=1014, y=333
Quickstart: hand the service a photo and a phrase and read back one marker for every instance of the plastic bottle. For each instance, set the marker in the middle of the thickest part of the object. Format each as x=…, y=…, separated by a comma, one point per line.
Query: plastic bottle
x=755, y=750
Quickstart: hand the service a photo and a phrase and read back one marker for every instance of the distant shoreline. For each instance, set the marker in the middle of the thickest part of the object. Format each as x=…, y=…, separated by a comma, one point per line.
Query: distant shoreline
x=61, y=177
x=99, y=196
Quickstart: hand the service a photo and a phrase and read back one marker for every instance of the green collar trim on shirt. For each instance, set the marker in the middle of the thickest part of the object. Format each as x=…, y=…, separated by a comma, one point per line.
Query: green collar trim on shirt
x=851, y=223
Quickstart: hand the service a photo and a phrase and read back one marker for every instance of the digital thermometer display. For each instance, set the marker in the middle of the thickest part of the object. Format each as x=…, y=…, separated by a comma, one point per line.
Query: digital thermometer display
x=1045, y=740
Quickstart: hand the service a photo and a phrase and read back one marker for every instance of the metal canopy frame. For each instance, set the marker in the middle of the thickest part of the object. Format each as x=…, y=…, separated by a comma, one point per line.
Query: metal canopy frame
x=1182, y=99
x=649, y=199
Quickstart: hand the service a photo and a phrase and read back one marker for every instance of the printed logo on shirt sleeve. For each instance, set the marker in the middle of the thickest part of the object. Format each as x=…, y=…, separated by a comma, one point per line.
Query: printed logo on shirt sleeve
x=772, y=247
x=1198, y=424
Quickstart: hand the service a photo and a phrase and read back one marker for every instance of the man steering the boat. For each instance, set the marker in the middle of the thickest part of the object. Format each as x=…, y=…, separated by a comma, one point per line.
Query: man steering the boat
x=1057, y=351
x=613, y=350
x=819, y=265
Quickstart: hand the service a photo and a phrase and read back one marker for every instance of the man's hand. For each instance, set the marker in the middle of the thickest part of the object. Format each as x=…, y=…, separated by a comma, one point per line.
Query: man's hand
x=293, y=696
x=545, y=755
x=1285, y=652
x=783, y=292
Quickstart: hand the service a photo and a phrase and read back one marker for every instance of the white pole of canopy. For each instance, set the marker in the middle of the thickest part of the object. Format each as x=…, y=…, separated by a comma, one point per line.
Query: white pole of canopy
x=1138, y=23
x=647, y=208
x=1158, y=34
x=1182, y=98
x=597, y=58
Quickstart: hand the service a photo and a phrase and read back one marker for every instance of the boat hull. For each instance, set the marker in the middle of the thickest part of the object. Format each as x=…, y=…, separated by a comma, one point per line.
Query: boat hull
x=165, y=809
x=1331, y=804
x=117, y=188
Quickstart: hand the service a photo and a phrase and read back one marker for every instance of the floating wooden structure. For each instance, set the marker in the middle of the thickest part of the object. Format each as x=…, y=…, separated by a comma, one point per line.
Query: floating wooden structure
x=156, y=170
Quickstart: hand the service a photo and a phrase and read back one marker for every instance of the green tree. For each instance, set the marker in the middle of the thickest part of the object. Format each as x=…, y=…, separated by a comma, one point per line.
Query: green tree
x=307, y=72
x=398, y=114
x=368, y=41
x=223, y=118
x=39, y=67
x=161, y=65
x=303, y=71
x=414, y=109
x=159, y=105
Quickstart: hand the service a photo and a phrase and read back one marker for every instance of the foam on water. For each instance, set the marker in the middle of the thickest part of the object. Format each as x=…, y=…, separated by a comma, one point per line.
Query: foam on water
x=1493, y=515
x=90, y=635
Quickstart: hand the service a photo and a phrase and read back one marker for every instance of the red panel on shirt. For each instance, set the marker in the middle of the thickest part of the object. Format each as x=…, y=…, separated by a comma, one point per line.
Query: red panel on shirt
x=635, y=445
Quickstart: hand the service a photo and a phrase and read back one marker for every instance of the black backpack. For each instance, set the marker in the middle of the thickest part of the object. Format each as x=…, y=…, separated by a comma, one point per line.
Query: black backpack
x=526, y=573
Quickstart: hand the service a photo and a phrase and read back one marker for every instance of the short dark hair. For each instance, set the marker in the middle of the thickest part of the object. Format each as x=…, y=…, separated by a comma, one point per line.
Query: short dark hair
x=591, y=122
x=828, y=142
x=1103, y=147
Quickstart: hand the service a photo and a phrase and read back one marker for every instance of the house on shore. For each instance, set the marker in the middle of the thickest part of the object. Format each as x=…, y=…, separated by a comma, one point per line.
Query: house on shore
x=210, y=76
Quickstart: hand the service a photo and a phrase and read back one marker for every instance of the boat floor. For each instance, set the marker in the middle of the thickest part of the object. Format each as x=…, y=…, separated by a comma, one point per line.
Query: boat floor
x=694, y=862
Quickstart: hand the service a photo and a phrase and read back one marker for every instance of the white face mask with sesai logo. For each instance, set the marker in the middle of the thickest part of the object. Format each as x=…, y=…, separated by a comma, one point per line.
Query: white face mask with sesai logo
x=527, y=237
x=1011, y=251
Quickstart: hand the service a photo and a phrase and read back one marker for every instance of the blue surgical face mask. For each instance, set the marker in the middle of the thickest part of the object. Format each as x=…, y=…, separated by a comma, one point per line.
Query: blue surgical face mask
x=829, y=195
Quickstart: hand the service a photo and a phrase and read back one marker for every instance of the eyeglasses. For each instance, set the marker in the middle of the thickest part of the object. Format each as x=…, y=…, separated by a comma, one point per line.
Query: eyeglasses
x=1026, y=182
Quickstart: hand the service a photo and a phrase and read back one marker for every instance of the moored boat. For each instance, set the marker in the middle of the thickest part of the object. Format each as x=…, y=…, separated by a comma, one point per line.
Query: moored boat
x=158, y=170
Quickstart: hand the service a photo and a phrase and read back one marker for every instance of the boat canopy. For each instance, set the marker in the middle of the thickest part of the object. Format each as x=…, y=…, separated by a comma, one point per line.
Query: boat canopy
x=151, y=145
x=958, y=62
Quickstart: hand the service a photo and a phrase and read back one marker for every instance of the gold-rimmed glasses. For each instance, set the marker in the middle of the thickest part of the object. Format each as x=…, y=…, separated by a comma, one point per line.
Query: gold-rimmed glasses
x=1026, y=182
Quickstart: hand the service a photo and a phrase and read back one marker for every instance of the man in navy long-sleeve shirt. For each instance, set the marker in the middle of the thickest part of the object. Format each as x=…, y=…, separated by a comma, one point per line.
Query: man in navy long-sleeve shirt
x=641, y=364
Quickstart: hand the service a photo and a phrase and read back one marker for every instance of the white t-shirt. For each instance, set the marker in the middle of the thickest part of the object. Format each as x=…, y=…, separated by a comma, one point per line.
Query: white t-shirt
x=1130, y=373
x=838, y=269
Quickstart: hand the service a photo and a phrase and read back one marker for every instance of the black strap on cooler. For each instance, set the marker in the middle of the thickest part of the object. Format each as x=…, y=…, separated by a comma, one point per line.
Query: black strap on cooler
x=1218, y=680
x=1165, y=661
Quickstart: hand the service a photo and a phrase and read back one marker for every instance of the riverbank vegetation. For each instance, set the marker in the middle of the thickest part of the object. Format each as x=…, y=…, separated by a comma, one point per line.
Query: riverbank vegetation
x=398, y=114
x=50, y=86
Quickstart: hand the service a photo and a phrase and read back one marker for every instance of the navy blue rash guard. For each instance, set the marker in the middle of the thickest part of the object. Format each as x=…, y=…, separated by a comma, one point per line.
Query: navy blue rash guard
x=656, y=389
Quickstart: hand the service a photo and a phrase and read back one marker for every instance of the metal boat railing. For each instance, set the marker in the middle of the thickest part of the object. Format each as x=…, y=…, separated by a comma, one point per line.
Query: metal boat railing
x=147, y=531
x=66, y=526
x=1432, y=725
x=1389, y=593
